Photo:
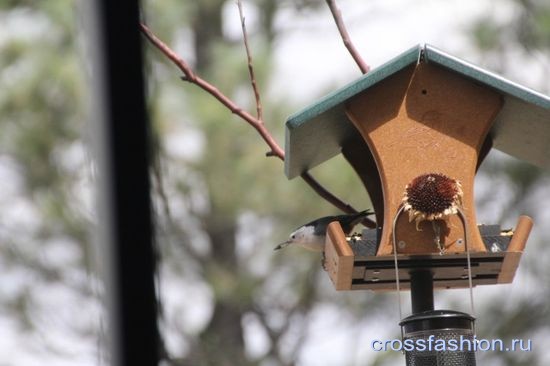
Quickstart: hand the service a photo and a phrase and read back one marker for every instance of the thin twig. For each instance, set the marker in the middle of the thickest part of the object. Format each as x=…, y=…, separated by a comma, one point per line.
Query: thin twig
x=337, y=15
x=250, y=63
x=256, y=123
x=335, y=201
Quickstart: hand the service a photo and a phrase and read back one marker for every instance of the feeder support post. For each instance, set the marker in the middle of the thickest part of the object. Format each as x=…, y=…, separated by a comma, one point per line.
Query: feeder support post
x=422, y=291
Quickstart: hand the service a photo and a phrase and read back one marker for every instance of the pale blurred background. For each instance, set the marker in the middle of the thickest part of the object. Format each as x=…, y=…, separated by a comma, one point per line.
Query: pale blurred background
x=220, y=205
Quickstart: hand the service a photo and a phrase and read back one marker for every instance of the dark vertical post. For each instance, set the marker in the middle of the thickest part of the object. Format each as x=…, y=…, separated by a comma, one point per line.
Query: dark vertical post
x=422, y=291
x=122, y=153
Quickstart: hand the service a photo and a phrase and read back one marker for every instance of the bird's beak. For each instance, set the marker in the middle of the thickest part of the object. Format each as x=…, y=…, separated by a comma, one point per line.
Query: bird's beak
x=282, y=245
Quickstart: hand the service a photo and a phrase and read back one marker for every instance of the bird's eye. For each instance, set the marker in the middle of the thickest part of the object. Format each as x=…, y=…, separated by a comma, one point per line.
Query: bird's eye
x=293, y=236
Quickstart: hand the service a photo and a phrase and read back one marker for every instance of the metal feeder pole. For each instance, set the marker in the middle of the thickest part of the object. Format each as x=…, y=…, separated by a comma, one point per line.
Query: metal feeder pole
x=422, y=291
x=439, y=337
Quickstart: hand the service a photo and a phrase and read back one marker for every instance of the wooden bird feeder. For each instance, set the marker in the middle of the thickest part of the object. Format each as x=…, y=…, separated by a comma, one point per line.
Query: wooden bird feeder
x=424, y=111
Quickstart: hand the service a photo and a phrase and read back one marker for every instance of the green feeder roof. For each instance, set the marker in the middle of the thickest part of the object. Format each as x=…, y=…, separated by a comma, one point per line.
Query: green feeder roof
x=521, y=129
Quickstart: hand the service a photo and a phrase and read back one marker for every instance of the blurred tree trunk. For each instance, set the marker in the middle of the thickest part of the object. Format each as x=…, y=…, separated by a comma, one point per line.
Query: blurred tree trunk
x=222, y=341
x=207, y=30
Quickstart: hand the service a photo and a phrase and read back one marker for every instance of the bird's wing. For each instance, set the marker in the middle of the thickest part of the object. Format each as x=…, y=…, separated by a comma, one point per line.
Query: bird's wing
x=348, y=222
x=321, y=225
x=345, y=220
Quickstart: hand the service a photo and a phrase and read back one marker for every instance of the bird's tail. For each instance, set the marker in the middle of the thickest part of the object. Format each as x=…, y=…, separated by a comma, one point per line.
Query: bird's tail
x=354, y=219
x=362, y=214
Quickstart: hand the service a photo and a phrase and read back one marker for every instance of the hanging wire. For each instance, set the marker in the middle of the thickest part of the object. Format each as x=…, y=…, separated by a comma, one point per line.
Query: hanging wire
x=468, y=260
x=397, y=284
x=437, y=231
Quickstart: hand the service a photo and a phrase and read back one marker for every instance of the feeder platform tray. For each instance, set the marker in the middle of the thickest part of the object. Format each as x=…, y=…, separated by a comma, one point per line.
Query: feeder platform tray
x=352, y=262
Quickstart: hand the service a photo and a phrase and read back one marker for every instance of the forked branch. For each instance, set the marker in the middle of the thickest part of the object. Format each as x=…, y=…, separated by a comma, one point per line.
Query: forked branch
x=256, y=122
x=191, y=77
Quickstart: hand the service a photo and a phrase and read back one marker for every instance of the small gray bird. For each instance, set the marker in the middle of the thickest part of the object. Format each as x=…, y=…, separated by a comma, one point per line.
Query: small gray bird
x=312, y=235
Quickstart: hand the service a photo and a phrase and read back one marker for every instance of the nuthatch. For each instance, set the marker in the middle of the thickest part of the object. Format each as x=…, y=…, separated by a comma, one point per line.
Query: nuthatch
x=312, y=235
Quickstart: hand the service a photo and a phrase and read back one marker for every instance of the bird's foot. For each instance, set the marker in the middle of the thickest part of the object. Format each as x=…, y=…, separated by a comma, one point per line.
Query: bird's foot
x=324, y=261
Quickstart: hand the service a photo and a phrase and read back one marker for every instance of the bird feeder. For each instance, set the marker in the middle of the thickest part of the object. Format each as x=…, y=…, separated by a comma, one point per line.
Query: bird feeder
x=424, y=116
x=423, y=112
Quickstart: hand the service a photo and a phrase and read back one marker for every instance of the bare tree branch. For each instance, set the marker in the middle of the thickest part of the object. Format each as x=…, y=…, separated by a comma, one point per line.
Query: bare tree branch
x=337, y=15
x=191, y=77
x=250, y=64
x=256, y=123
x=335, y=201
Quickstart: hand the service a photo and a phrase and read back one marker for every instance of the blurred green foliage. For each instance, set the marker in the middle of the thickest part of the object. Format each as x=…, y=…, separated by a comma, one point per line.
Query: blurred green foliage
x=220, y=204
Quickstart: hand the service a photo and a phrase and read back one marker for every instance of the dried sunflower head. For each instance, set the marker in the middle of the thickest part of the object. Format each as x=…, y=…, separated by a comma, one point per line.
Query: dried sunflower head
x=432, y=196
